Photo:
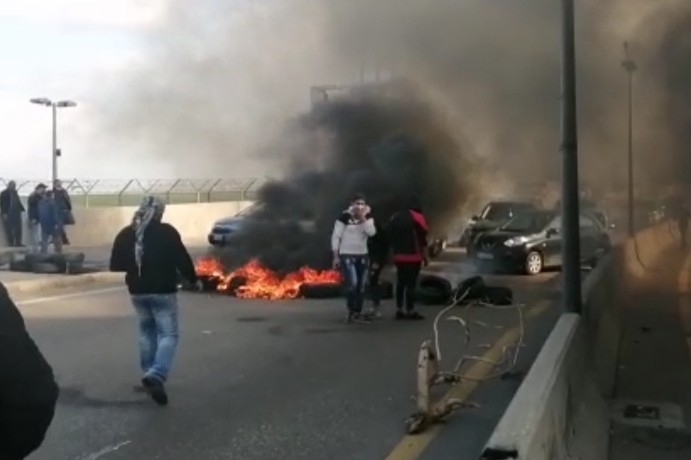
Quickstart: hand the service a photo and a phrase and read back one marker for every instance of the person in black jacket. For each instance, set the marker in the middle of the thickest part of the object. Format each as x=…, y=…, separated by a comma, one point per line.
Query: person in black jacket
x=28, y=391
x=11, y=209
x=64, y=203
x=378, y=248
x=408, y=238
x=33, y=216
x=151, y=253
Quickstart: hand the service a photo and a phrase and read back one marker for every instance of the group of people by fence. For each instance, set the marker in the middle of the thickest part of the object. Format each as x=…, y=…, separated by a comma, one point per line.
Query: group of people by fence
x=47, y=210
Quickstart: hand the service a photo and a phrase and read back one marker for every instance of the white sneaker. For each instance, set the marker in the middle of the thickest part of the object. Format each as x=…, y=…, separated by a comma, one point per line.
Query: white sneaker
x=374, y=312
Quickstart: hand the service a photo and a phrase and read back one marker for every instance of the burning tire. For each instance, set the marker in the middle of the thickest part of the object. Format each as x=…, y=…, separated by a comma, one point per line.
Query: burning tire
x=321, y=291
x=433, y=290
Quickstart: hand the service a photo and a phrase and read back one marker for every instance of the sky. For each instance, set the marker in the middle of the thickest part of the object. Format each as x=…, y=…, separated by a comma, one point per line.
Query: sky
x=66, y=49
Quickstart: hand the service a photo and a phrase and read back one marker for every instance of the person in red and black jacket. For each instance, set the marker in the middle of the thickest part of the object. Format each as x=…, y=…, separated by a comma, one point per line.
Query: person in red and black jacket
x=407, y=234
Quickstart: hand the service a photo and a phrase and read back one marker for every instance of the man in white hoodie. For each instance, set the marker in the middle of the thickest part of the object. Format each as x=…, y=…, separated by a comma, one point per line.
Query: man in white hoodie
x=349, y=245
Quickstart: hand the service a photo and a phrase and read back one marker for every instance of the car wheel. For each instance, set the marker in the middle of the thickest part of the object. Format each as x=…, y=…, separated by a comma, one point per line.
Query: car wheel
x=533, y=263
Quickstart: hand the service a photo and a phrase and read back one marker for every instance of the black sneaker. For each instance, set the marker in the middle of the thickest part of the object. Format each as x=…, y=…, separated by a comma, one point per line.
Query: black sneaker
x=357, y=318
x=156, y=389
x=415, y=316
x=401, y=315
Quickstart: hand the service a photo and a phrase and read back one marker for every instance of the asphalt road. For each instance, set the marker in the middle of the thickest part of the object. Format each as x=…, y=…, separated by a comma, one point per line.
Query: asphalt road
x=259, y=380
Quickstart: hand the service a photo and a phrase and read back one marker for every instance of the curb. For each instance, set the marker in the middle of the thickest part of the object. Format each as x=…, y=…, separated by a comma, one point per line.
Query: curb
x=62, y=281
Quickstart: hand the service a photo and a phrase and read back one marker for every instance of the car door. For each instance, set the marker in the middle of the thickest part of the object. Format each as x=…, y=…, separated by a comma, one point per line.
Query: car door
x=551, y=248
x=590, y=234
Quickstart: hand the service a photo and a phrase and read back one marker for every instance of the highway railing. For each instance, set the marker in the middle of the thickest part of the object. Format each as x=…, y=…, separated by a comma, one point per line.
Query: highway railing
x=104, y=192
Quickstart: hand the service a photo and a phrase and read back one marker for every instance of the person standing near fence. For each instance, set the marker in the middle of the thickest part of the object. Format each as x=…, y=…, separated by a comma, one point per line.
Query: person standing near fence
x=152, y=253
x=33, y=216
x=50, y=221
x=64, y=203
x=11, y=209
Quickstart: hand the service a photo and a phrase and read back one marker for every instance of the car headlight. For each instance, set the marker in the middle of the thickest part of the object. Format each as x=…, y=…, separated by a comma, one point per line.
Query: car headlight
x=516, y=241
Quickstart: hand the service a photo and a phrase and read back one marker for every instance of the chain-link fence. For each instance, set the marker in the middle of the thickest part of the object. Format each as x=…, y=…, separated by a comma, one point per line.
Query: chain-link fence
x=103, y=192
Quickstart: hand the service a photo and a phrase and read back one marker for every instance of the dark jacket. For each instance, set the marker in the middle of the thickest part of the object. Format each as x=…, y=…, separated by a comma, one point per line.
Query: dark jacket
x=407, y=231
x=378, y=245
x=164, y=257
x=28, y=391
x=6, y=201
x=32, y=205
x=48, y=216
x=63, y=200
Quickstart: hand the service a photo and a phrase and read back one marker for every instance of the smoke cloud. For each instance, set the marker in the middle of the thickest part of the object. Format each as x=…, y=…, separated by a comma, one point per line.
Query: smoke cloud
x=223, y=83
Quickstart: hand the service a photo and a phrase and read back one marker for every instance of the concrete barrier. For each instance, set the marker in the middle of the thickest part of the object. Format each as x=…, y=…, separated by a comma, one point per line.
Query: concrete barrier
x=561, y=410
x=98, y=226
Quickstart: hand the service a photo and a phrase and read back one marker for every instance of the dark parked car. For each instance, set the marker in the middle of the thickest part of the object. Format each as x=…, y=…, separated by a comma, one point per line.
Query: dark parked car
x=223, y=230
x=494, y=215
x=532, y=241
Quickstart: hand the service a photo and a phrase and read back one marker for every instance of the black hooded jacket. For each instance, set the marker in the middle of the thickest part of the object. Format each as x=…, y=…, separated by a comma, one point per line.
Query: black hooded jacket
x=378, y=245
x=28, y=391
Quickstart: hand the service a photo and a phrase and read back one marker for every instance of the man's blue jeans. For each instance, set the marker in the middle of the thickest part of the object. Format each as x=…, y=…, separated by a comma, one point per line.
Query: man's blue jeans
x=158, y=333
x=354, y=270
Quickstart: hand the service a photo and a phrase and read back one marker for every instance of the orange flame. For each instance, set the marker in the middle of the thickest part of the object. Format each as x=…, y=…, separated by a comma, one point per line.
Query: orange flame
x=263, y=283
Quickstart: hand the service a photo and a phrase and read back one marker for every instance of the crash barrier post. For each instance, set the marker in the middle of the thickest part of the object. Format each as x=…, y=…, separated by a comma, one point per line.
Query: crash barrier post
x=98, y=226
x=561, y=409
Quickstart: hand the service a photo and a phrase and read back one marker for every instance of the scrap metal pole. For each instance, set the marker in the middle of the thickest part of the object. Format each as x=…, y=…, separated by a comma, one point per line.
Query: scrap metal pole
x=630, y=67
x=54, y=156
x=571, y=260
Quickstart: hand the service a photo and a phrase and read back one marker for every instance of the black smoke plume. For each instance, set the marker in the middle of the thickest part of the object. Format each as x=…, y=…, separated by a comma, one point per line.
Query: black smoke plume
x=390, y=148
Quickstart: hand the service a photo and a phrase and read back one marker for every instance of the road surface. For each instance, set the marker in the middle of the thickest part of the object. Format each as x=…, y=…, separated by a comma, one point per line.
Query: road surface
x=258, y=380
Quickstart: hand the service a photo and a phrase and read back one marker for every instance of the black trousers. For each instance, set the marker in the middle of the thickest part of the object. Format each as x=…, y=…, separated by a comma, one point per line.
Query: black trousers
x=375, y=270
x=13, y=230
x=406, y=280
x=23, y=429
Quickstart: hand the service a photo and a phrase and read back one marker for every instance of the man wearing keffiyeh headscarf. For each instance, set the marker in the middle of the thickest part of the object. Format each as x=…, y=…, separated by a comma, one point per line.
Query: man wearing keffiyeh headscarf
x=152, y=254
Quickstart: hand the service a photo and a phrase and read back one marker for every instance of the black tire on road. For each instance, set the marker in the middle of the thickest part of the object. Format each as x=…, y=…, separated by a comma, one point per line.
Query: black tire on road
x=321, y=291
x=433, y=290
x=45, y=268
x=20, y=265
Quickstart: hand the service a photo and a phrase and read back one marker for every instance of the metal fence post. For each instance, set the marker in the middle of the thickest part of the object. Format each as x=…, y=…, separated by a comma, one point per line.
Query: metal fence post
x=215, y=184
x=175, y=184
x=243, y=193
x=127, y=185
x=198, y=190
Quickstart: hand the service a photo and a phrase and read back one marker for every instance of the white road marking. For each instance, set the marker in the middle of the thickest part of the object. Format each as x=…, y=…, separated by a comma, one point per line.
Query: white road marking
x=69, y=296
x=106, y=450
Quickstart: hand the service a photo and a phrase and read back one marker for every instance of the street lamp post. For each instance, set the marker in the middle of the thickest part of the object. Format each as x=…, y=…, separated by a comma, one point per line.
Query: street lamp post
x=571, y=258
x=630, y=67
x=54, y=108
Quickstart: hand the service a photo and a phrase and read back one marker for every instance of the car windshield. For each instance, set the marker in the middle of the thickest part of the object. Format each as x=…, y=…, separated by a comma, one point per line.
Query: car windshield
x=529, y=222
x=497, y=211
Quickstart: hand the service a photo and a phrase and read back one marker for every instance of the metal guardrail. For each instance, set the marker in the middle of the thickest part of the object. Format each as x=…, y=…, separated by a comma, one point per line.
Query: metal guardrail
x=104, y=192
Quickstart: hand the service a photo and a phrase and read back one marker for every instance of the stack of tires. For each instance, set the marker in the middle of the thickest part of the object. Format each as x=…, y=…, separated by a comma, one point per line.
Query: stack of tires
x=65, y=264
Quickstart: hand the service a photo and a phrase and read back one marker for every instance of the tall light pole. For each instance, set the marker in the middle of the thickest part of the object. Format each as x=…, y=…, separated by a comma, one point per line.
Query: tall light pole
x=571, y=257
x=630, y=67
x=54, y=105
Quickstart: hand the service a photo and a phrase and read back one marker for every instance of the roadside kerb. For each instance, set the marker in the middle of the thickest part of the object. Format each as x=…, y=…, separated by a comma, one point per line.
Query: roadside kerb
x=561, y=409
x=48, y=282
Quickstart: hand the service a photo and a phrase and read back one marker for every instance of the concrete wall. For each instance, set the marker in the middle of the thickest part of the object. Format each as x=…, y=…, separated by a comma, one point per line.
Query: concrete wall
x=561, y=409
x=98, y=226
